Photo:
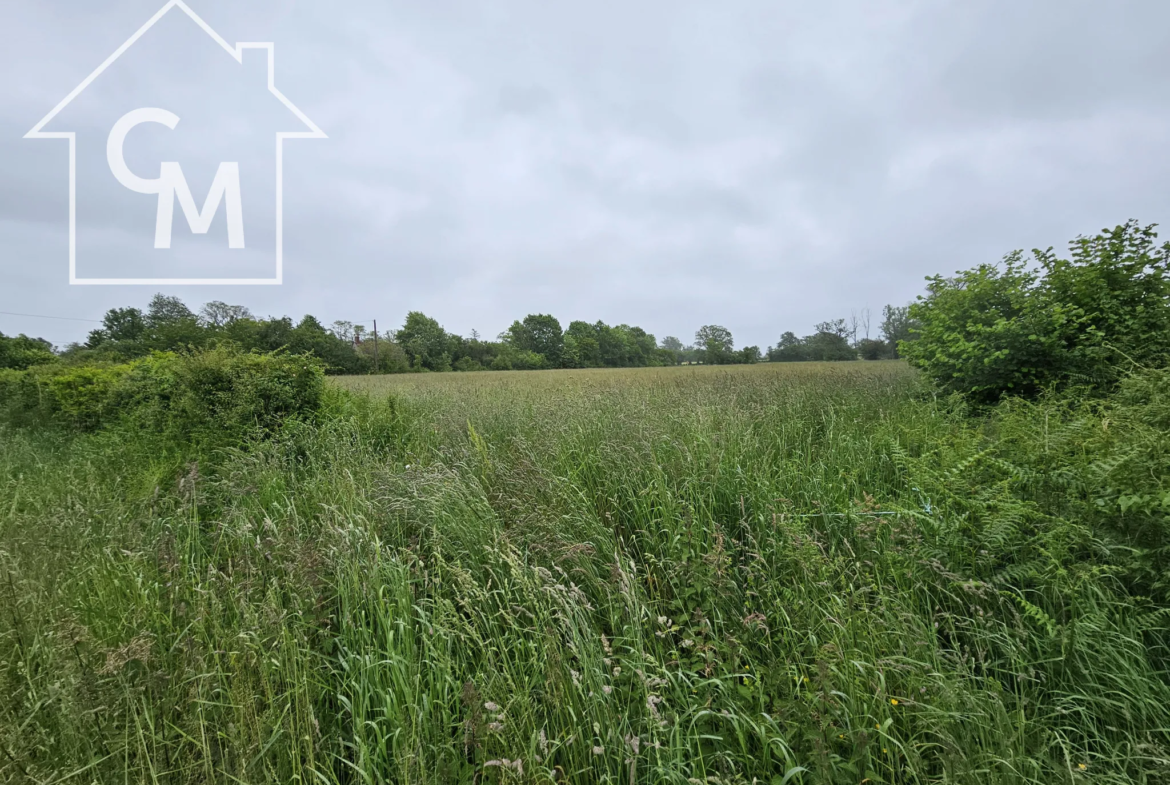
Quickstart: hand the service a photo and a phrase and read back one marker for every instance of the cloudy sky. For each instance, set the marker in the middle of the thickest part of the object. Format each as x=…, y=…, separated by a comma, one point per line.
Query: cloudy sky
x=760, y=164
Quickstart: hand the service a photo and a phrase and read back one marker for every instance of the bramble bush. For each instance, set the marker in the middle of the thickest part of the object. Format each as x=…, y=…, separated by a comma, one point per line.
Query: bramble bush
x=216, y=395
x=1023, y=326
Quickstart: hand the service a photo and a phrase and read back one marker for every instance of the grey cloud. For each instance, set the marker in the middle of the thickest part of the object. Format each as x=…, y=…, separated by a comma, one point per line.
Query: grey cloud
x=760, y=164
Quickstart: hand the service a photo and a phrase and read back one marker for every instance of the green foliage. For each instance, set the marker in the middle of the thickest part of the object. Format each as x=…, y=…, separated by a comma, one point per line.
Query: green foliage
x=811, y=574
x=23, y=352
x=715, y=344
x=79, y=396
x=539, y=334
x=1020, y=327
x=421, y=344
x=897, y=326
x=869, y=349
x=219, y=395
x=829, y=343
x=426, y=343
x=748, y=355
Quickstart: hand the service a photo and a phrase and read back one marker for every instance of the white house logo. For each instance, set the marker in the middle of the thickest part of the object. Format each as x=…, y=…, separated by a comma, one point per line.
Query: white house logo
x=168, y=184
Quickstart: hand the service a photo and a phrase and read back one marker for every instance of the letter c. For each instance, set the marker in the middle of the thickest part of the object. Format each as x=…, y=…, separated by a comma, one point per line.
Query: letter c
x=116, y=157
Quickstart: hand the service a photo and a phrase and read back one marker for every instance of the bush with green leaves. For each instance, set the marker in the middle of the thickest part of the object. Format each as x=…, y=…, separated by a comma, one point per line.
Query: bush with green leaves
x=78, y=396
x=1022, y=326
x=23, y=352
x=215, y=395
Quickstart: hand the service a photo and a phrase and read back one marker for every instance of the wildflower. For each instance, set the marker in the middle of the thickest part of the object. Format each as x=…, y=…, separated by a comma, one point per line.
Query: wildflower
x=884, y=750
x=598, y=750
x=607, y=689
x=496, y=727
x=893, y=701
x=840, y=735
x=491, y=706
x=878, y=727
x=806, y=679
x=1082, y=766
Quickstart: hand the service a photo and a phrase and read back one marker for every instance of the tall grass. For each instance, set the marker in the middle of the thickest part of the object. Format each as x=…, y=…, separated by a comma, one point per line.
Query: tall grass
x=811, y=575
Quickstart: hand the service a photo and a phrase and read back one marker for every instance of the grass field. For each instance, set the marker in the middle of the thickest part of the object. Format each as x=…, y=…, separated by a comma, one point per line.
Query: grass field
x=761, y=574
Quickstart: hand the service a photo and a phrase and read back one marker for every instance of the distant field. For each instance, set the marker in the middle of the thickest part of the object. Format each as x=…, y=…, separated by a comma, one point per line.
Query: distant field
x=611, y=376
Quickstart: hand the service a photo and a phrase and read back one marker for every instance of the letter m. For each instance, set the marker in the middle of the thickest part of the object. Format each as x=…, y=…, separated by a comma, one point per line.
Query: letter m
x=174, y=184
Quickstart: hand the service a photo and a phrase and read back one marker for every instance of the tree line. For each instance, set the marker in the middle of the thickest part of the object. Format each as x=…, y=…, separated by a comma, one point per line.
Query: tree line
x=535, y=342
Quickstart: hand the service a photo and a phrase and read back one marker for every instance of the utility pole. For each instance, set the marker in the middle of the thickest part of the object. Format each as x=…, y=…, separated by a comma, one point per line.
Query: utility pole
x=375, y=346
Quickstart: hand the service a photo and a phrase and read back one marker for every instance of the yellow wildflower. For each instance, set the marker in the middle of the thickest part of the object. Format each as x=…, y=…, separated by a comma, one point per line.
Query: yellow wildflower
x=894, y=701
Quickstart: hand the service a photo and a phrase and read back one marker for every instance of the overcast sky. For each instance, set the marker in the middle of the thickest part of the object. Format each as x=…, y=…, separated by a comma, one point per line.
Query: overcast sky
x=763, y=165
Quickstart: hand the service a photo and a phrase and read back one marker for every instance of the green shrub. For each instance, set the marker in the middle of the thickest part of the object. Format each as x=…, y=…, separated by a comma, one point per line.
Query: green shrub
x=224, y=391
x=77, y=396
x=85, y=395
x=1020, y=327
x=215, y=395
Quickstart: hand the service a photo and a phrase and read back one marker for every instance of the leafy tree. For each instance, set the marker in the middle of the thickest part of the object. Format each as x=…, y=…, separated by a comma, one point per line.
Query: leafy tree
x=829, y=343
x=642, y=346
x=715, y=343
x=1017, y=327
x=426, y=343
x=748, y=355
x=165, y=310
x=897, y=326
x=869, y=349
x=23, y=352
x=829, y=346
x=581, y=341
x=540, y=334
x=171, y=324
x=788, y=349
x=612, y=346
x=119, y=325
x=675, y=347
x=217, y=314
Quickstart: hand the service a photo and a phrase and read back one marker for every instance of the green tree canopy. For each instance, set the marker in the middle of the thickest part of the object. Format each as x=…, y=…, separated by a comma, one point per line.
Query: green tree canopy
x=540, y=334
x=426, y=342
x=23, y=352
x=715, y=343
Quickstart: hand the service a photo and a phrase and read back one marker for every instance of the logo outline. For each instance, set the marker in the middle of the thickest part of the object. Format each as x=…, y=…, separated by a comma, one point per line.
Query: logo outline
x=237, y=53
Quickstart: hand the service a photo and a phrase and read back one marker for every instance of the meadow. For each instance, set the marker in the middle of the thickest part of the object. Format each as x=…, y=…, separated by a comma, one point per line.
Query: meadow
x=775, y=573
